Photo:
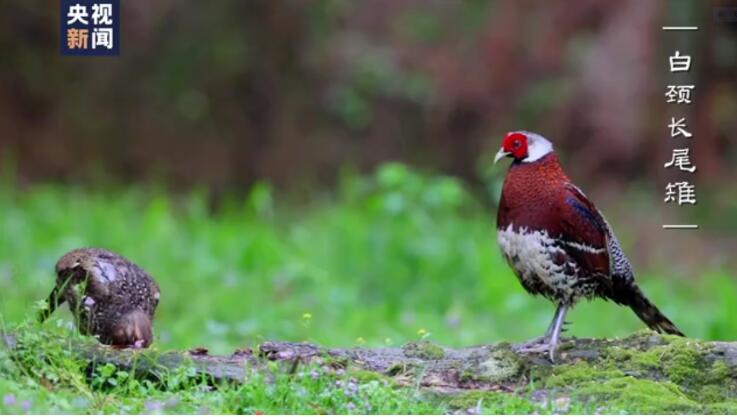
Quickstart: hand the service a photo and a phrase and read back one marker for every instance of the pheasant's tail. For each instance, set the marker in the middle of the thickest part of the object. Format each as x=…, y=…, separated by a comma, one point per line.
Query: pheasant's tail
x=649, y=313
x=133, y=329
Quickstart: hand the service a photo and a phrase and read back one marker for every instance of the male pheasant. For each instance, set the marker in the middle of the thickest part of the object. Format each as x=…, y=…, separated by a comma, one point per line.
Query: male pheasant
x=558, y=244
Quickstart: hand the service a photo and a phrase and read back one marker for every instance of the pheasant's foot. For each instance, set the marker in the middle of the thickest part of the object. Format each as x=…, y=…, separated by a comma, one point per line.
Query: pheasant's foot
x=534, y=345
x=548, y=348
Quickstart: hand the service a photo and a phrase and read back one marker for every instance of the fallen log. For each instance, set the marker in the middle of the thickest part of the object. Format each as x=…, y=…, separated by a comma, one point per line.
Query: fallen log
x=688, y=373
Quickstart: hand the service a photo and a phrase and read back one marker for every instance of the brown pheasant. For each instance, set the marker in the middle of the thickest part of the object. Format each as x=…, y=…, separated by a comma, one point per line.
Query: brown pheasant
x=109, y=296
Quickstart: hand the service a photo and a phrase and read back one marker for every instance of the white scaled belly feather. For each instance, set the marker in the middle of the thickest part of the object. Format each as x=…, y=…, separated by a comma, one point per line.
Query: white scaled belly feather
x=531, y=253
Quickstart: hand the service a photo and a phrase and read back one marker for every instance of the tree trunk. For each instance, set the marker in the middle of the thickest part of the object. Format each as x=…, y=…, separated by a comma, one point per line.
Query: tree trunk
x=688, y=370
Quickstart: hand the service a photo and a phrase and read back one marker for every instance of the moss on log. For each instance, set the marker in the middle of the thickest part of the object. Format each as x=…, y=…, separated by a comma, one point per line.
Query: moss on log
x=647, y=371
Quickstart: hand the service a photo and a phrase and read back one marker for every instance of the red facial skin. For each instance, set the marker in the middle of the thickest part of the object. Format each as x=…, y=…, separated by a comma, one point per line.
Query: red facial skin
x=516, y=144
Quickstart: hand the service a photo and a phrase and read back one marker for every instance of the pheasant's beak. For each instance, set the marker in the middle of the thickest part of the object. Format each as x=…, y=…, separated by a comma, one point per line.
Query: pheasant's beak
x=501, y=154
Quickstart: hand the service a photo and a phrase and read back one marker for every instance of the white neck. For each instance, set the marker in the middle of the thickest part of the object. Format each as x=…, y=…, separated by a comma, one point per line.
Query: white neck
x=537, y=147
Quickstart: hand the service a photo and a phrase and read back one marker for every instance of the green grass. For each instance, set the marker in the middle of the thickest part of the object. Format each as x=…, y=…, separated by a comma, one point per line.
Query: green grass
x=386, y=260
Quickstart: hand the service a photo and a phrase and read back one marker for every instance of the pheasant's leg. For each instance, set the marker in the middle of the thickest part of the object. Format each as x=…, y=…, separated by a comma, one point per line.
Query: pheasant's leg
x=551, y=327
x=560, y=317
x=539, y=344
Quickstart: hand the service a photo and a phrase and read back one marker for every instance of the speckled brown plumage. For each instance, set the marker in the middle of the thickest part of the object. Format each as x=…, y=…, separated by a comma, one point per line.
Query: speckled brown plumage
x=110, y=297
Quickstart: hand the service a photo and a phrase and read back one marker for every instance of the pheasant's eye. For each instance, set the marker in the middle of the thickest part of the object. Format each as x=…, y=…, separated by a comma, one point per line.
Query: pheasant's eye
x=516, y=144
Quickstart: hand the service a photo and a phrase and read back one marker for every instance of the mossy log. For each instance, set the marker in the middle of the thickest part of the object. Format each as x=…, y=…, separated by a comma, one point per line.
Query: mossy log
x=676, y=374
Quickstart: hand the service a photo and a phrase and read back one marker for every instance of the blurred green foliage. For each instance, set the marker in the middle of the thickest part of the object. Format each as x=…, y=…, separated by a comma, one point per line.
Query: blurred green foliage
x=388, y=256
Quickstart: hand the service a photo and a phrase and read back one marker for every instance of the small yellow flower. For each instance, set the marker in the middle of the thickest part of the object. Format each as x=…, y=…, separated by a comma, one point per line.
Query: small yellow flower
x=422, y=332
x=306, y=316
x=388, y=341
x=360, y=340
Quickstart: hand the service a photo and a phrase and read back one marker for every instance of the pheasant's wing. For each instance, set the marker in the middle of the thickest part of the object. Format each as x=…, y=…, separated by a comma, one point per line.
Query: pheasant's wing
x=154, y=291
x=616, y=279
x=145, y=291
x=584, y=237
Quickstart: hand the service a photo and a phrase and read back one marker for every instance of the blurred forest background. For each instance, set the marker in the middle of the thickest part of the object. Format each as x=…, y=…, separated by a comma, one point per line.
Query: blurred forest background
x=292, y=92
x=236, y=99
